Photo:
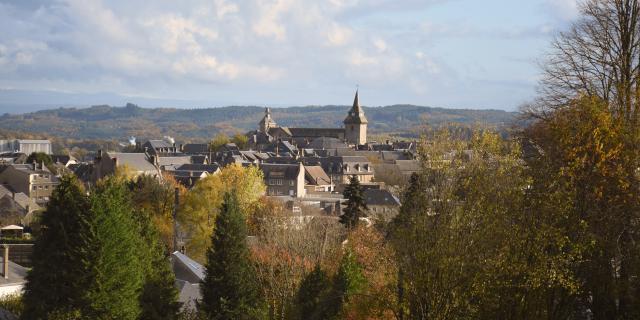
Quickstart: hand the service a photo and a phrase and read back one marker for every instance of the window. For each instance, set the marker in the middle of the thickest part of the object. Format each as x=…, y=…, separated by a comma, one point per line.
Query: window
x=275, y=182
x=291, y=183
x=34, y=188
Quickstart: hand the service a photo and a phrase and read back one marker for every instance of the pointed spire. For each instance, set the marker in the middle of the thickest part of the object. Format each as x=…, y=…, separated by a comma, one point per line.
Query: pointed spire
x=356, y=103
x=356, y=115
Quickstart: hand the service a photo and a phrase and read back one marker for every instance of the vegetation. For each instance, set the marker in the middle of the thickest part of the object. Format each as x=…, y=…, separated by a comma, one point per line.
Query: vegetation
x=230, y=288
x=356, y=206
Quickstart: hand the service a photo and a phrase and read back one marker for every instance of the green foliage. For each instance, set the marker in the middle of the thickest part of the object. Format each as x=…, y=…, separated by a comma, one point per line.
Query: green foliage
x=39, y=157
x=68, y=241
x=312, y=299
x=348, y=281
x=230, y=289
x=12, y=303
x=114, y=291
x=356, y=206
x=218, y=141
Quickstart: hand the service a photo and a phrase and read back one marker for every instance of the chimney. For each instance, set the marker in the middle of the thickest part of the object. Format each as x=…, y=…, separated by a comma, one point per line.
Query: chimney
x=35, y=164
x=181, y=148
x=100, y=153
x=42, y=165
x=5, y=261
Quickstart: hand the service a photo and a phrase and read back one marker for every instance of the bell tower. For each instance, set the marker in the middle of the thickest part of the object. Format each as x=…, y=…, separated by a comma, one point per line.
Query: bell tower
x=355, y=124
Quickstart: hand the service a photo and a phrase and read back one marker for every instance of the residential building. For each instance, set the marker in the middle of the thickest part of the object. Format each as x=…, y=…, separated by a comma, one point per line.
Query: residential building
x=284, y=179
x=382, y=204
x=35, y=180
x=25, y=146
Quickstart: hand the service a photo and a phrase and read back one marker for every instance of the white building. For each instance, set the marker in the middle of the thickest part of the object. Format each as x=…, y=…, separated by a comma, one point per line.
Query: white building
x=25, y=146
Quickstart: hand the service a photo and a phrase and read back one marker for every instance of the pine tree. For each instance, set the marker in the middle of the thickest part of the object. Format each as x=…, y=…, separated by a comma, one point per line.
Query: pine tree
x=312, y=297
x=230, y=289
x=356, y=207
x=115, y=290
x=159, y=297
x=61, y=255
x=348, y=281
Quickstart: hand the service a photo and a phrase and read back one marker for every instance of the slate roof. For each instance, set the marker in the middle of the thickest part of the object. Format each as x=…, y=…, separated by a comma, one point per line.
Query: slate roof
x=317, y=132
x=327, y=143
x=378, y=197
x=179, y=160
x=210, y=168
x=195, y=148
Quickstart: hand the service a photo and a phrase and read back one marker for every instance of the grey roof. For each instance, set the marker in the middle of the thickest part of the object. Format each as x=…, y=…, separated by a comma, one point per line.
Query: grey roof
x=195, y=148
x=210, y=168
x=408, y=166
x=378, y=197
x=135, y=161
x=20, y=199
x=327, y=143
x=17, y=274
x=156, y=144
x=186, y=269
x=317, y=132
x=188, y=294
x=177, y=160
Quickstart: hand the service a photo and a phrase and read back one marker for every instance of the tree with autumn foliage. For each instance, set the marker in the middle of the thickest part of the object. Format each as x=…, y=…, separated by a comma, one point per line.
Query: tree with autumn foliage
x=201, y=205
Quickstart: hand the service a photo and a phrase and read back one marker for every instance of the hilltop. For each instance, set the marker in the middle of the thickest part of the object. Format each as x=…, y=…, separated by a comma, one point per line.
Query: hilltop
x=108, y=122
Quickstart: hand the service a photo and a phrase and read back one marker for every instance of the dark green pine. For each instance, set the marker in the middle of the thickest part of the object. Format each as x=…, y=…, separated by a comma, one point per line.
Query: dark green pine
x=230, y=289
x=356, y=206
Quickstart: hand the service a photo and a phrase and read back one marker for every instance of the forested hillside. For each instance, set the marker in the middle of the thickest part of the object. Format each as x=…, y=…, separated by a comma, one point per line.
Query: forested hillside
x=106, y=122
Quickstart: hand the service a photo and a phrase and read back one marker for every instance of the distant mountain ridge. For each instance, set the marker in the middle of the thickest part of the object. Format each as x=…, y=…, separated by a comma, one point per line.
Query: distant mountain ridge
x=107, y=122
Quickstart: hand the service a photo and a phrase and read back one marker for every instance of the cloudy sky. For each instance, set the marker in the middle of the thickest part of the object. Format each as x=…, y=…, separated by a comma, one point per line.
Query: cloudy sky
x=445, y=53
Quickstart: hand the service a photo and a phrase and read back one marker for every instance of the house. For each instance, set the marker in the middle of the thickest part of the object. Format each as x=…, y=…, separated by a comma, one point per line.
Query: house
x=160, y=147
x=341, y=168
x=382, y=204
x=16, y=208
x=106, y=164
x=34, y=180
x=284, y=179
x=317, y=180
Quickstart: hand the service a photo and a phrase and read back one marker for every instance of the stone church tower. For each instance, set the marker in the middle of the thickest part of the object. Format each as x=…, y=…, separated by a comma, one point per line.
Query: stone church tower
x=267, y=122
x=355, y=124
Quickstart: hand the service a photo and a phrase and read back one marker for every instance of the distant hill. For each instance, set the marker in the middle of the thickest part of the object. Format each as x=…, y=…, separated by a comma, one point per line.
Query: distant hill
x=106, y=122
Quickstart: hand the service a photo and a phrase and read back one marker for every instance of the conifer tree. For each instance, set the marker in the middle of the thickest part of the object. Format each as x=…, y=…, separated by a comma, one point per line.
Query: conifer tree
x=229, y=290
x=348, y=281
x=356, y=207
x=61, y=255
x=115, y=290
x=312, y=297
x=159, y=297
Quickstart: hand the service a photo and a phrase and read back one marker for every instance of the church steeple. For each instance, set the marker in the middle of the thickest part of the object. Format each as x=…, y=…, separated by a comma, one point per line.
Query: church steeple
x=356, y=115
x=267, y=122
x=355, y=124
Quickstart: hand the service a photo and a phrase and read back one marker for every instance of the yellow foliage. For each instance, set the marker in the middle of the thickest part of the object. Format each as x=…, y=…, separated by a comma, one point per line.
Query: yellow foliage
x=202, y=203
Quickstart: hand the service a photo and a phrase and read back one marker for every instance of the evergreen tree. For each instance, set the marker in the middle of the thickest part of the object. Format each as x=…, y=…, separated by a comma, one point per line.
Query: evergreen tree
x=61, y=255
x=152, y=198
x=229, y=290
x=356, y=207
x=311, y=299
x=115, y=290
x=159, y=298
x=348, y=281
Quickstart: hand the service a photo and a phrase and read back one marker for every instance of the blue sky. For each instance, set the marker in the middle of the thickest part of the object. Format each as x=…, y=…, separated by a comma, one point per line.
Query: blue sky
x=444, y=53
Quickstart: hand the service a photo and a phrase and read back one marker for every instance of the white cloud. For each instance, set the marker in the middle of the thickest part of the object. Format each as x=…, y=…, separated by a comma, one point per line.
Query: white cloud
x=563, y=9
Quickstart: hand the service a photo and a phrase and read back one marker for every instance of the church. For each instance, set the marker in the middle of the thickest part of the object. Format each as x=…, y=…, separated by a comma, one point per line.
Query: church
x=353, y=133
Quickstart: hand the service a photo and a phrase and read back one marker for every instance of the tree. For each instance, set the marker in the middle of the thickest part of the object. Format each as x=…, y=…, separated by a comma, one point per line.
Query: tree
x=348, y=281
x=218, y=141
x=159, y=297
x=356, y=207
x=115, y=288
x=202, y=203
x=598, y=56
x=40, y=157
x=313, y=295
x=241, y=140
x=229, y=290
x=67, y=241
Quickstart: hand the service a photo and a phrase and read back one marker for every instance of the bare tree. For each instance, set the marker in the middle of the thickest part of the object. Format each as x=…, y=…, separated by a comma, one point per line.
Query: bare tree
x=598, y=56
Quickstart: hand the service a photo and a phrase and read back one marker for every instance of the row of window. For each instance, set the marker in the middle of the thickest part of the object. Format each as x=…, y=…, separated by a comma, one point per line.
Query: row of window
x=40, y=187
x=279, y=182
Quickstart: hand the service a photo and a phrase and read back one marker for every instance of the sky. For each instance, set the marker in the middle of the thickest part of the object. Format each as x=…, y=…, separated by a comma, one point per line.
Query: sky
x=474, y=54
